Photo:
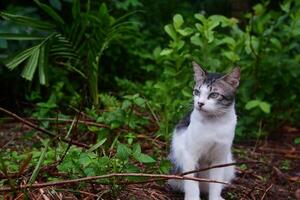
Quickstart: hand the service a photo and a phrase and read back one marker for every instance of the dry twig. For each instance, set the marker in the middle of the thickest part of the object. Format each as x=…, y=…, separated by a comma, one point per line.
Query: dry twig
x=90, y=178
x=28, y=123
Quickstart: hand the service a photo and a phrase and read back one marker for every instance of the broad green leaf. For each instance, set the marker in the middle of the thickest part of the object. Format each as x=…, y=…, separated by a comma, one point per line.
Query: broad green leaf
x=251, y=104
x=136, y=151
x=123, y=152
x=13, y=62
x=166, y=52
x=27, y=21
x=31, y=65
x=276, y=43
x=165, y=166
x=17, y=36
x=97, y=145
x=177, y=21
x=144, y=158
x=185, y=32
x=229, y=40
x=51, y=13
x=231, y=56
x=297, y=140
x=84, y=159
x=266, y=107
x=200, y=17
x=212, y=24
x=285, y=6
x=195, y=39
x=170, y=31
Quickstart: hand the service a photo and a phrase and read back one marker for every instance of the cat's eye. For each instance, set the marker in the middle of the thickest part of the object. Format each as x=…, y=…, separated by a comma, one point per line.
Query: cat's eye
x=213, y=95
x=196, y=92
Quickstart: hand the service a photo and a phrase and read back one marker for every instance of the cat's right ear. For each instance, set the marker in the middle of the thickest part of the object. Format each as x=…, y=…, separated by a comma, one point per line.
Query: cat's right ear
x=199, y=73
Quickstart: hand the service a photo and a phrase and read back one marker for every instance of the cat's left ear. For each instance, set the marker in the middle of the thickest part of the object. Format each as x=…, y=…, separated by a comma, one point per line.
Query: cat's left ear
x=199, y=73
x=233, y=78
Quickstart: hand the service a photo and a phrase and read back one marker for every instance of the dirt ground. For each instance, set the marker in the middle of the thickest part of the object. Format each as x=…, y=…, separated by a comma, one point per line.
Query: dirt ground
x=276, y=177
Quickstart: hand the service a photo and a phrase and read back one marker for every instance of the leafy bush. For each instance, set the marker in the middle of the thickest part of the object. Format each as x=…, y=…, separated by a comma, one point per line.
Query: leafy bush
x=218, y=43
x=76, y=44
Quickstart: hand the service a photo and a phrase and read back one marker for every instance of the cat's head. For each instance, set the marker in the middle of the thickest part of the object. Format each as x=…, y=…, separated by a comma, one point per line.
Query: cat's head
x=213, y=92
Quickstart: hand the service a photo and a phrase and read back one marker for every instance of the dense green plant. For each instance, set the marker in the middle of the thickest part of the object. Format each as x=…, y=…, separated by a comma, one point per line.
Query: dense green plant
x=218, y=43
x=76, y=44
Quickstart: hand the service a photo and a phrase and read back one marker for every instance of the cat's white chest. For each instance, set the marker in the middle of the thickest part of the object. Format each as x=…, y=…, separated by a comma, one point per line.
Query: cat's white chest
x=205, y=137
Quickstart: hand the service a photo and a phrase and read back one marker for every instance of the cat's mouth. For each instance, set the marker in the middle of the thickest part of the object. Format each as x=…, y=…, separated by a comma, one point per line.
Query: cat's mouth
x=201, y=109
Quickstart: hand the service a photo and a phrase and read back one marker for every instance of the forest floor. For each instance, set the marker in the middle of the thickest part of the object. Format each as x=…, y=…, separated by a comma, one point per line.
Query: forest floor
x=275, y=177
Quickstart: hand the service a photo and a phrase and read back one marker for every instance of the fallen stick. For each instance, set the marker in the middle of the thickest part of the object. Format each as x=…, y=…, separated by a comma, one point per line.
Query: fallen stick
x=90, y=178
x=219, y=166
x=28, y=123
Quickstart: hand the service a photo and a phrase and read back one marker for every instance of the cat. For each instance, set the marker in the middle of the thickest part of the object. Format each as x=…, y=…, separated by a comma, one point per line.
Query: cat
x=204, y=137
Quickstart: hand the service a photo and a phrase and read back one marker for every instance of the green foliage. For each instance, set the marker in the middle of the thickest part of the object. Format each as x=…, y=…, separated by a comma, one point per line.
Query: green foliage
x=218, y=44
x=76, y=45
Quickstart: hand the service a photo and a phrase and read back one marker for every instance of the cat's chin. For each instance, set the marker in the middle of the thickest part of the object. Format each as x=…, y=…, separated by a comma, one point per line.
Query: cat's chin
x=207, y=113
x=201, y=110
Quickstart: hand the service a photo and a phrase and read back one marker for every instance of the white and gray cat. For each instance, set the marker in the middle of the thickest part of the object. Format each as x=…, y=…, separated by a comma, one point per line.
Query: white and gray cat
x=204, y=137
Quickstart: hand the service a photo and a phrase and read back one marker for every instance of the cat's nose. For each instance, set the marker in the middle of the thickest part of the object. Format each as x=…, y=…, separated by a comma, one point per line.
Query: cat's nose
x=200, y=104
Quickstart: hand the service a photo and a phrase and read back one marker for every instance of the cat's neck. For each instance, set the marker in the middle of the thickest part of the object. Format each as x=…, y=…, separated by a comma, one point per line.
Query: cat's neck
x=200, y=117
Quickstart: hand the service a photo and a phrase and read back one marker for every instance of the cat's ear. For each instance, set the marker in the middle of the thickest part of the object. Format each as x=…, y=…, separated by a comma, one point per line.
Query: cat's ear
x=199, y=73
x=233, y=78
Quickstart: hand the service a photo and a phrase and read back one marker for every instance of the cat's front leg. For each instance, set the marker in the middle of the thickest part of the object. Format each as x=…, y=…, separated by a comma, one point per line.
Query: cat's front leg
x=191, y=188
x=215, y=189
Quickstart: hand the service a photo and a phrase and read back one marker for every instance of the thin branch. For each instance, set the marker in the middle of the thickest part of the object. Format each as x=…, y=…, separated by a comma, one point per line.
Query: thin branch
x=265, y=193
x=85, y=122
x=90, y=178
x=28, y=123
x=219, y=166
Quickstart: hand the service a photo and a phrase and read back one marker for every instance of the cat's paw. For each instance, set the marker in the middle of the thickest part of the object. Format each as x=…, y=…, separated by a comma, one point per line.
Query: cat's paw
x=216, y=198
x=189, y=197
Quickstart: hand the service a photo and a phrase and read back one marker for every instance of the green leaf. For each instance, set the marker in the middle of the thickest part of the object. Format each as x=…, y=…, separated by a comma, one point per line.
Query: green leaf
x=3, y=44
x=19, y=58
x=177, y=21
x=200, y=17
x=139, y=101
x=195, y=39
x=56, y=4
x=31, y=65
x=43, y=62
x=231, y=56
x=39, y=164
x=185, y=32
x=297, y=140
x=123, y=152
x=17, y=36
x=286, y=6
x=97, y=145
x=136, y=151
x=144, y=158
x=251, y=104
x=170, y=31
x=165, y=166
x=27, y=21
x=51, y=13
x=266, y=107
x=84, y=159
x=166, y=52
